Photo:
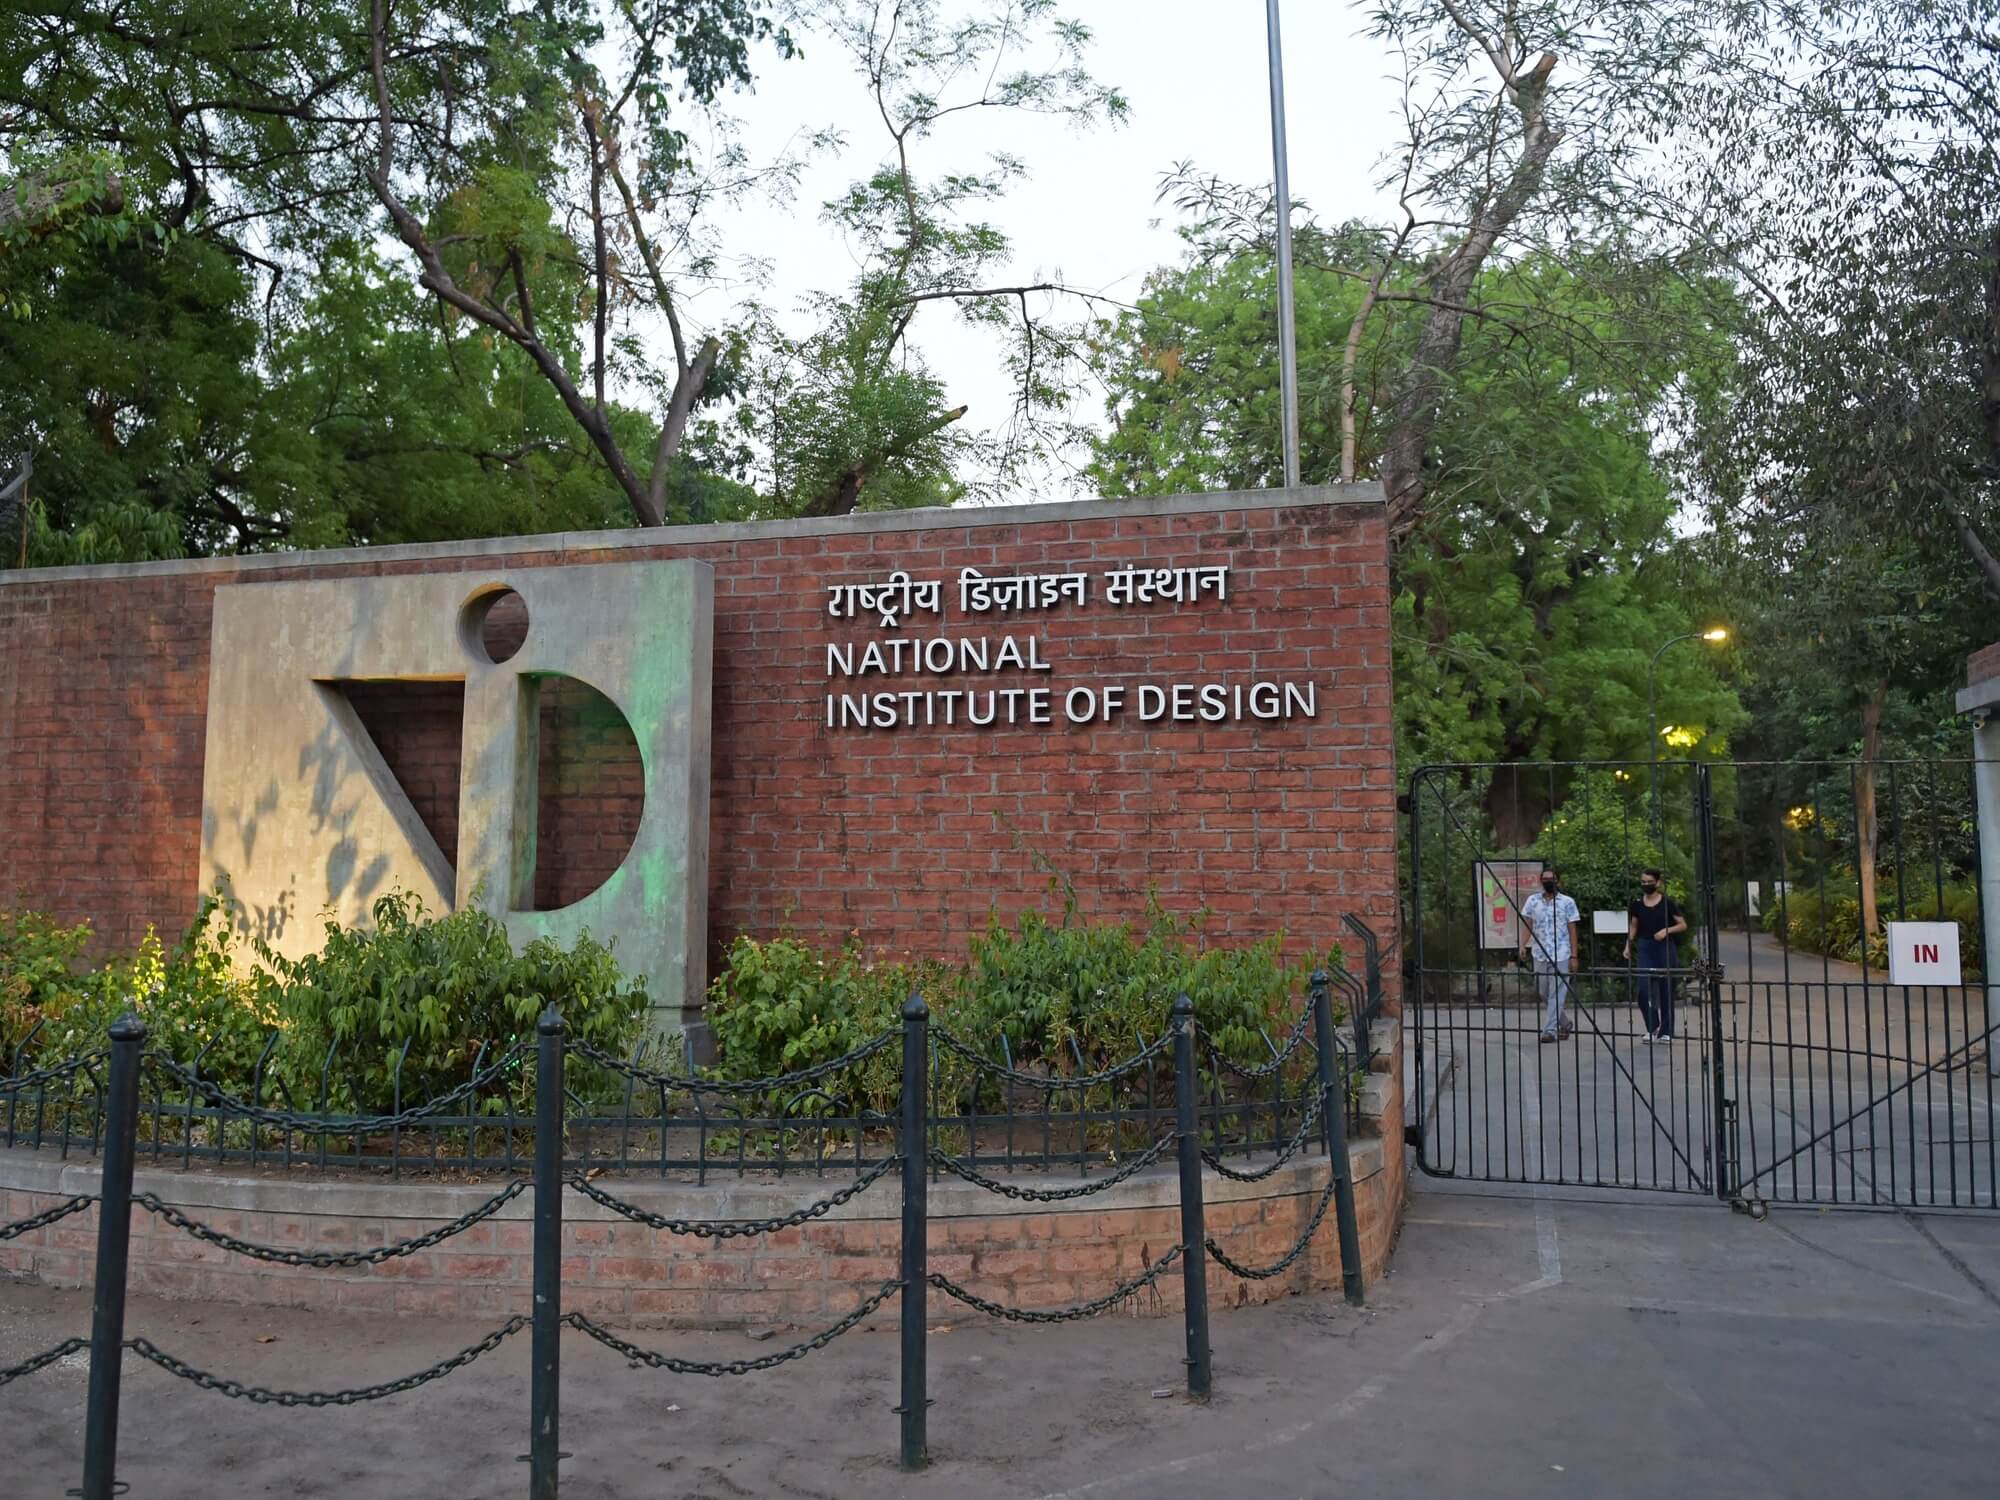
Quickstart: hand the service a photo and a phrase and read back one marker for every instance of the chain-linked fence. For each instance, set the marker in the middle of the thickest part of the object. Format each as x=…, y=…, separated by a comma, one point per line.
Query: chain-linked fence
x=919, y=1144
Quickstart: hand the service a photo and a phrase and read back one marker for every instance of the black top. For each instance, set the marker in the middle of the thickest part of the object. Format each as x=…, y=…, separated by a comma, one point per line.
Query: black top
x=1654, y=920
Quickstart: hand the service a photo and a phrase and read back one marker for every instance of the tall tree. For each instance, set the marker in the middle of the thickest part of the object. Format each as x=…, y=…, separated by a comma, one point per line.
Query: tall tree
x=1859, y=161
x=851, y=412
x=1526, y=611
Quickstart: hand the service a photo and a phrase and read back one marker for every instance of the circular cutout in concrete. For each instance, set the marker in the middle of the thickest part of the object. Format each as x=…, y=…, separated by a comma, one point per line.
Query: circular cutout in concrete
x=496, y=624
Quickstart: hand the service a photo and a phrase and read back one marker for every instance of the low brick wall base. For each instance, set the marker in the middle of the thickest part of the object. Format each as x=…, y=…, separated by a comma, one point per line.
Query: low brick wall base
x=616, y=1270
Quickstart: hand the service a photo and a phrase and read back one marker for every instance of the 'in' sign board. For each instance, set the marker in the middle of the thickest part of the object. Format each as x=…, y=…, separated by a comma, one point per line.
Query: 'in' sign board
x=1923, y=953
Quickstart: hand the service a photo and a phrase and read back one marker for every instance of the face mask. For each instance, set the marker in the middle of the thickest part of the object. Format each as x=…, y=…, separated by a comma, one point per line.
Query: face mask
x=1548, y=885
x=1649, y=888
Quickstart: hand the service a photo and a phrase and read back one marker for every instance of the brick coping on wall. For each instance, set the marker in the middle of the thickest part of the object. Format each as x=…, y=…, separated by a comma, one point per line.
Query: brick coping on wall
x=1036, y=1256
x=859, y=523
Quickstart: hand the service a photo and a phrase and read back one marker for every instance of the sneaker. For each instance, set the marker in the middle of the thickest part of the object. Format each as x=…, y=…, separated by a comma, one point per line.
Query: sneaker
x=1547, y=1037
x=1563, y=1032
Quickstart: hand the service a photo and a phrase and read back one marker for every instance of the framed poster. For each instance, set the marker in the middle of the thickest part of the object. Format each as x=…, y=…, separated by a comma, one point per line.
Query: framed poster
x=1501, y=886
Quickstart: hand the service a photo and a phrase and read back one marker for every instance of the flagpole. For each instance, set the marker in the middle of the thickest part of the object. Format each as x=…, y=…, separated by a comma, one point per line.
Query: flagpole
x=1288, y=351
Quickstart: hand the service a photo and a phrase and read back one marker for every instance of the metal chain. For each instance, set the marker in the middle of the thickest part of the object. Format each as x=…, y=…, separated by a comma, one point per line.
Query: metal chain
x=264, y=1397
x=728, y=1229
x=1283, y=1055
x=1285, y=1152
x=43, y=1220
x=221, y=1099
x=43, y=1360
x=1062, y=1314
x=688, y=1083
x=659, y=1361
x=55, y=1070
x=1111, y=1074
x=327, y=1259
x=967, y=1172
x=1250, y=1274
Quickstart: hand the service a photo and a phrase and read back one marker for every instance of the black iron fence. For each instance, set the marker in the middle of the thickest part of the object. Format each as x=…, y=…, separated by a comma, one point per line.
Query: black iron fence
x=1309, y=1074
x=1765, y=1054
x=628, y=1114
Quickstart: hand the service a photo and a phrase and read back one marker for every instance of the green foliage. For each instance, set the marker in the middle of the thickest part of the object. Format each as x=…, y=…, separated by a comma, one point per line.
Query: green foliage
x=192, y=998
x=1601, y=838
x=1100, y=989
x=440, y=986
x=1064, y=998
x=779, y=1006
x=39, y=961
x=1527, y=609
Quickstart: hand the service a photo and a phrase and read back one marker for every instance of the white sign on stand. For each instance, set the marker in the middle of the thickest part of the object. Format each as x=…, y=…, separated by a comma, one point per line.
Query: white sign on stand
x=1924, y=953
x=1610, y=923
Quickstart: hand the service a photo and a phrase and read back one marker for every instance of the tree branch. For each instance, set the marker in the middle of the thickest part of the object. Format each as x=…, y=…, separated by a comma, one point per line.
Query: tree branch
x=844, y=495
x=438, y=280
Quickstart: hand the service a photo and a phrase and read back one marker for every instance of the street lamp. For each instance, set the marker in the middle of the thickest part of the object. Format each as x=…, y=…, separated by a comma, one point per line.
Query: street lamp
x=1715, y=635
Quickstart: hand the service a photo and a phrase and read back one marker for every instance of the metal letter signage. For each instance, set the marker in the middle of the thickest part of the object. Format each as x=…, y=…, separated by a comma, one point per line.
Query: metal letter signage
x=302, y=817
x=857, y=700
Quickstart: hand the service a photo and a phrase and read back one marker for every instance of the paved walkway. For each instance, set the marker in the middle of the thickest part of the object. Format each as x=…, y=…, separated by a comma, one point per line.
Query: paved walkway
x=1526, y=1345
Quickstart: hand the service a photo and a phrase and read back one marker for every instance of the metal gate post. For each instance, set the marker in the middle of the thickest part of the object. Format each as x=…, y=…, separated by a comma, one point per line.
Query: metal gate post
x=1986, y=780
x=545, y=1378
x=1194, y=1237
x=1413, y=999
x=114, y=1244
x=1719, y=1154
x=1333, y=1118
x=916, y=1232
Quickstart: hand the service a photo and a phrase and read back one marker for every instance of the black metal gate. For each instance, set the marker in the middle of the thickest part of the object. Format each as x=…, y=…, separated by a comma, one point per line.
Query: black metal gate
x=1794, y=1070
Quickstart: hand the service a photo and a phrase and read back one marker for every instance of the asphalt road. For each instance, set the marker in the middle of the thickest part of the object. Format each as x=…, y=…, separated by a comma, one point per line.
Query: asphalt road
x=1525, y=1345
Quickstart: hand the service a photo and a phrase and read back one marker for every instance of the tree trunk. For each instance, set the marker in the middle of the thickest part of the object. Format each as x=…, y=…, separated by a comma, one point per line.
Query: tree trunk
x=1865, y=831
x=1414, y=417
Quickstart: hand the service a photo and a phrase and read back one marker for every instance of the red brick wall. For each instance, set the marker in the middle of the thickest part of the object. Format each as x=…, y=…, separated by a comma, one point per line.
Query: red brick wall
x=1983, y=665
x=909, y=836
x=628, y=1274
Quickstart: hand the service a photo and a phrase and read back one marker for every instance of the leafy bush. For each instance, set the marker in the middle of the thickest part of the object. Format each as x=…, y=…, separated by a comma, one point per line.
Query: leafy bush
x=1057, y=994
x=38, y=970
x=192, y=997
x=442, y=985
x=1104, y=987
x=779, y=1006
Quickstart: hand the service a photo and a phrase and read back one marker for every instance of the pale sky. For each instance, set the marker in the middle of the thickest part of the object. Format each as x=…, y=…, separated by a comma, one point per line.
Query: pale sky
x=1196, y=75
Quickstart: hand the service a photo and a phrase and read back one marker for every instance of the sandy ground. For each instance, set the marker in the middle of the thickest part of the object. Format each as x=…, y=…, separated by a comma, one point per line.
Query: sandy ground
x=1526, y=1345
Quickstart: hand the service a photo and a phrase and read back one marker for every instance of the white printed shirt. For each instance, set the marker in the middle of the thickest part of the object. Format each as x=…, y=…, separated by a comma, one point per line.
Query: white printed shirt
x=1548, y=919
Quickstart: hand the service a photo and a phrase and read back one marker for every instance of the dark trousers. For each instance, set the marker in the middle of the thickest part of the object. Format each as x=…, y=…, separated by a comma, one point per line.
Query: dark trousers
x=1656, y=984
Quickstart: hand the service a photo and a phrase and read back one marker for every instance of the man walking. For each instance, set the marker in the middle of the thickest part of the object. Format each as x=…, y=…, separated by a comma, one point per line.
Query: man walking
x=1654, y=923
x=1548, y=936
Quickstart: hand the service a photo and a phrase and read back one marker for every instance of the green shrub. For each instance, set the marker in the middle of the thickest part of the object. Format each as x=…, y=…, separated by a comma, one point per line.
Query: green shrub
x=443, y=985
x=1104, y=986
x=1825, y=918
x=1054, y=993
x=39, y=963
x=192, y=998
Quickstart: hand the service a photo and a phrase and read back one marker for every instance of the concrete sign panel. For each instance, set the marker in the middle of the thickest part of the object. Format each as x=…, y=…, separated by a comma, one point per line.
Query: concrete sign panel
x=1924, y=953
x=305, y=822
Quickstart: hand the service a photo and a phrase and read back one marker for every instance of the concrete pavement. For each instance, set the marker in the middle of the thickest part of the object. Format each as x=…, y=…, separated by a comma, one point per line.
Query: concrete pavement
x=1527, y=1344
